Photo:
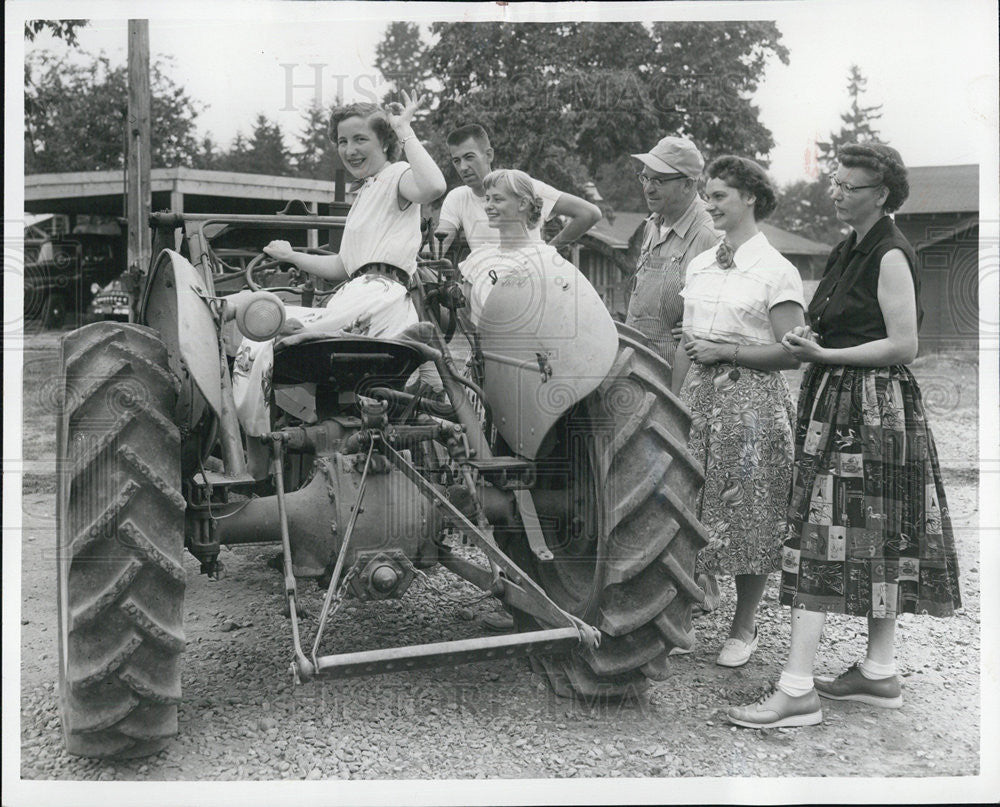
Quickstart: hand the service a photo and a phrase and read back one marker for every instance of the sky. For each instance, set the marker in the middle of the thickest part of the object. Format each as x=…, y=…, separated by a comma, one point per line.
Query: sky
x=934, y=74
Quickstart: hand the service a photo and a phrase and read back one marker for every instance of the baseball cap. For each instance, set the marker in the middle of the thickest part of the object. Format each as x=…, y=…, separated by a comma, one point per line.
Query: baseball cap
x=674, y=155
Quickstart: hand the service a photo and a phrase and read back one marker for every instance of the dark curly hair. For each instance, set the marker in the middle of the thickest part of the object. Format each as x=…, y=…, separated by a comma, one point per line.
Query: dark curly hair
x=883, y=161
x=746, y=176
x=375, y=117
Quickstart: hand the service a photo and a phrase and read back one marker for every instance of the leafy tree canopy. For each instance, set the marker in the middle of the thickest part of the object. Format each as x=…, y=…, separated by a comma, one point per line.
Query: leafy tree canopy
x=60, y=29
x=74, y=115
x=805, y=207
x=567, y=101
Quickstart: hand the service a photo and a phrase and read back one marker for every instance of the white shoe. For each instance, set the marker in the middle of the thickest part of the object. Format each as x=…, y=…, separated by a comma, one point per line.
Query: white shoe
x=736, y=652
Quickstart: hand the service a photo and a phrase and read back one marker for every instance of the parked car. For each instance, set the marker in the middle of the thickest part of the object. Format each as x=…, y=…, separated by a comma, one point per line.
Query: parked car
x=112, y=302
x=62, y=278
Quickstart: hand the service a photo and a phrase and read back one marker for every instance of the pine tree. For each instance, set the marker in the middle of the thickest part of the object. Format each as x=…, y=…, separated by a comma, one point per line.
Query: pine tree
x=805, y=207
x=316, y=159
x=858, y=121
x=401, y=59
x=264, y=152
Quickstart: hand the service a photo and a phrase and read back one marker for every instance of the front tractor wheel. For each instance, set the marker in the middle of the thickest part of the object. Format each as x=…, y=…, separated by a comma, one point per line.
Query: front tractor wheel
x=616, y=499
x=120, y=525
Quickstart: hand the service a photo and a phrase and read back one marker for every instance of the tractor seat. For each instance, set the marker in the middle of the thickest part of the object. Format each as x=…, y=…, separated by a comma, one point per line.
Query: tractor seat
x=343, y=362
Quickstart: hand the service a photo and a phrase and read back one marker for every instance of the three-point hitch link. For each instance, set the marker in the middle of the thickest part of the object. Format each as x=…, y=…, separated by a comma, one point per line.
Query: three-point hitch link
x=506, y=578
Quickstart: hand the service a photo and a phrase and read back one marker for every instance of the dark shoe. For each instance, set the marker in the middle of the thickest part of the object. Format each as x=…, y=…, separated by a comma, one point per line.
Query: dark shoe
x=497, y=621
x=853, y=686
x=776, y=709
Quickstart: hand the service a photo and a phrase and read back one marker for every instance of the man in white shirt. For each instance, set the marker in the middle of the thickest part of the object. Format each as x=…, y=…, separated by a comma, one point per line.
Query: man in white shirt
x=464, y=208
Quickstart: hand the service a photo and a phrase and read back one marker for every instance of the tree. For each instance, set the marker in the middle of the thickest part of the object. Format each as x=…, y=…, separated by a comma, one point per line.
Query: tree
x=316, y=160
x=267, y=148
x=400, y=58
x=208, y=155
x=263, y=153
x=806, y=208
x=858, y=121
x=75, y=118
x=60, y=29
x=565, y=101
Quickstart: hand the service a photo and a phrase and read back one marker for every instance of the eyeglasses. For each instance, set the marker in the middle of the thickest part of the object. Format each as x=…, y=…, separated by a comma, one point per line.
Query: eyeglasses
x=846, y=188
x=656, y=182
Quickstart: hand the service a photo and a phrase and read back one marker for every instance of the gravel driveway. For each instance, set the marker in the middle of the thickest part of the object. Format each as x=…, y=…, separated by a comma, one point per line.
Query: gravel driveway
x=243, y=718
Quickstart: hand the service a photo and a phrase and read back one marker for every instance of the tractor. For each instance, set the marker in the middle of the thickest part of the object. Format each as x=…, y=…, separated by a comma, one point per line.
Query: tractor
x=556, y=449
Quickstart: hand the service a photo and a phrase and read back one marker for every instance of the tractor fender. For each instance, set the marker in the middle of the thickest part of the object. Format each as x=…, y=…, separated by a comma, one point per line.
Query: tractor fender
x=548, y=341
x=176, y=304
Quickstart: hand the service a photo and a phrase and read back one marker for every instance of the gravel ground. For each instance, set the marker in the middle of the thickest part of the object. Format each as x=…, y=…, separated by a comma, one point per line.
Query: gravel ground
x=243, y=718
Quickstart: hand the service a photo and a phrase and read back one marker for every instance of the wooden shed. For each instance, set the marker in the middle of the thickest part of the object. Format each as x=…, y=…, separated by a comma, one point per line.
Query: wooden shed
x=941, y=220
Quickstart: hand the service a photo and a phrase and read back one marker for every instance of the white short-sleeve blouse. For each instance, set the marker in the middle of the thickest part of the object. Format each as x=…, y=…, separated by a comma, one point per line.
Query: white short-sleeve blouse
x=733, y=305
x=377, y=231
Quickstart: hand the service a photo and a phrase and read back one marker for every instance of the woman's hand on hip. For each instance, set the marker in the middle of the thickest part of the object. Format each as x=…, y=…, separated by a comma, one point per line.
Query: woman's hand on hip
x=705, y=352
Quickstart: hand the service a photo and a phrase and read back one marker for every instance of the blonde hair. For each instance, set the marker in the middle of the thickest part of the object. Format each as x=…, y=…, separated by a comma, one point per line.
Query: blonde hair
x=519, y=185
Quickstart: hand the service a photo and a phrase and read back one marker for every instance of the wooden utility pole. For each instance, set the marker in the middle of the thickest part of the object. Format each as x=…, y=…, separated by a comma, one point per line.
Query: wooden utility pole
x=138, y=192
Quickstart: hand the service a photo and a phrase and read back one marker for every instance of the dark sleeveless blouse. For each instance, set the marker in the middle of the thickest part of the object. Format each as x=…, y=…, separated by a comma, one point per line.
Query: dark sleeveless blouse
x=844, y=311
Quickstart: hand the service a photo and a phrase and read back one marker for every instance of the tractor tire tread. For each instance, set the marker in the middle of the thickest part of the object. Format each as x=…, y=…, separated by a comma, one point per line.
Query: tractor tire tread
x=647, y=484
x=120, y=517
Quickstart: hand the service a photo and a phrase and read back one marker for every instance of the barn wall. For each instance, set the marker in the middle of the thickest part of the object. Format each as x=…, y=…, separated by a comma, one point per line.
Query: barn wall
x=948, y=267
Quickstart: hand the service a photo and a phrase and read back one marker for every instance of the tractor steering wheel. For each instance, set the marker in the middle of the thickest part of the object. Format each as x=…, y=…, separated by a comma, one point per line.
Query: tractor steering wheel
x=263, y=261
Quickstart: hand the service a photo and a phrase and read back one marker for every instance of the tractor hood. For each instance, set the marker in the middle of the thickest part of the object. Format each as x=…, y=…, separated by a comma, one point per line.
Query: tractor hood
x=548, y=341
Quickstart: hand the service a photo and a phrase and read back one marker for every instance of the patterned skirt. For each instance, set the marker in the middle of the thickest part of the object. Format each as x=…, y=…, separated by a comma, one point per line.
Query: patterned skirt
x=868, y=526
x=741, y=431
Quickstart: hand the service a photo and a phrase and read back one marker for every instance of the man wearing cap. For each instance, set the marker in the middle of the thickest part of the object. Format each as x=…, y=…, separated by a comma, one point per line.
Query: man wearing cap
x=678, y=228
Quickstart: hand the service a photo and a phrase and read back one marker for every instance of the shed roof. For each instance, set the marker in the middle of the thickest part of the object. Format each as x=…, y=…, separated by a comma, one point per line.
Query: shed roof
x=101, y=191
x=942, y=189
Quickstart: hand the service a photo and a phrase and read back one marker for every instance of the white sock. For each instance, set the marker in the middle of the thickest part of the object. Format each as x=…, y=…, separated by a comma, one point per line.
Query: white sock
x=795, y=686
x=874, y=671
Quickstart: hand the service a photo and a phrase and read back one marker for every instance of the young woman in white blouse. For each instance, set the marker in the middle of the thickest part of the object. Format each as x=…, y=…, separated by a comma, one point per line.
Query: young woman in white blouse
x=513, y=208
x=740, y=299
x=378, y=250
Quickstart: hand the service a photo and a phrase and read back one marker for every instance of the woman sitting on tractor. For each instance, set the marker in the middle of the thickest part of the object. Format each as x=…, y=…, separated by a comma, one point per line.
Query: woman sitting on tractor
x=378, y=250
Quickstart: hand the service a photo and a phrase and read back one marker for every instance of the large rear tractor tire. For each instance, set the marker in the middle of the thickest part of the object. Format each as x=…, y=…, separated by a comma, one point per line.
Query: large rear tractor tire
x=616, y=499
x=120, y=517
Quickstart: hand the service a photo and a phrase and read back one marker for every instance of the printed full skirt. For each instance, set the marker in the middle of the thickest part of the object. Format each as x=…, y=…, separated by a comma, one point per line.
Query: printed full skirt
x=741, y=430
x=868, y=527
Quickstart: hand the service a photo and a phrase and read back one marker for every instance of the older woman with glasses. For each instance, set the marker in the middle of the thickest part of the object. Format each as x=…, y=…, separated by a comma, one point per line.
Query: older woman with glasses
x=740, y=299
x=868, y=527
